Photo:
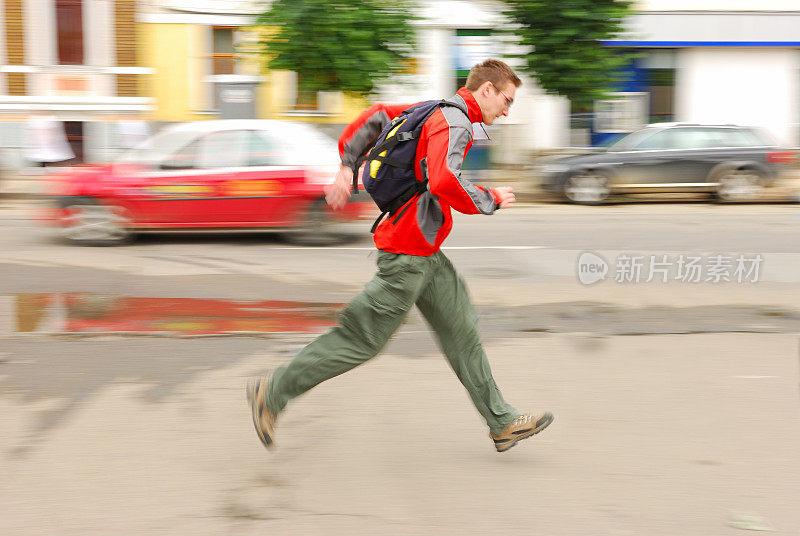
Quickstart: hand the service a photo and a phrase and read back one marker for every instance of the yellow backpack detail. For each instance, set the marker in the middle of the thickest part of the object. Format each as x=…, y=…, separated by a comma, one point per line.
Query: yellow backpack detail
x=375, y=165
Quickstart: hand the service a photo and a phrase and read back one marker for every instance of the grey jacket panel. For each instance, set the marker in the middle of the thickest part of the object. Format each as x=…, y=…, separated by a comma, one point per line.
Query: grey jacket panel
x=365, y=134
x=460, y=136
x=429, y=213
x=429, y=216
x=456, y=117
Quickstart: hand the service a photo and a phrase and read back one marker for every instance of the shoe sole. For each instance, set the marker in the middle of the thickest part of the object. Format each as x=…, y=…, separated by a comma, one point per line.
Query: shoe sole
x=545, y=421
x=252, y=389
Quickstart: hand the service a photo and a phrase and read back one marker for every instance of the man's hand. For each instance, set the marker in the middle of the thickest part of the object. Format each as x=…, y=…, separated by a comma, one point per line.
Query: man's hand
x=505, y=195
x=338, y=193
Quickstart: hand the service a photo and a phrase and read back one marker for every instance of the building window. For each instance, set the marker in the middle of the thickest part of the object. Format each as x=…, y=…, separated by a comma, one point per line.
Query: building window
x=654, y=73
x=471, y=47
x=69, y=25
x=222, y=55
x=661, y=86
x=74, y=132
x=224, y=50
x=125, y=32
x=306, y=98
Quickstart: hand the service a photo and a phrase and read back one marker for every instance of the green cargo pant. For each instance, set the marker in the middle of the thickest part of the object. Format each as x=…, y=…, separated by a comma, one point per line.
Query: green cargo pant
x=367, y=323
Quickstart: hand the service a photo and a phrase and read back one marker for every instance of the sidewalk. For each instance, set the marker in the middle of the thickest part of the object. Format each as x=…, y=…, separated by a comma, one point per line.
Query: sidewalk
x=656, y=435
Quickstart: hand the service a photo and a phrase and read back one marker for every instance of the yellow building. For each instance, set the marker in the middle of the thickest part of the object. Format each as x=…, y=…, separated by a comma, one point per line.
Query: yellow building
x=194, y=47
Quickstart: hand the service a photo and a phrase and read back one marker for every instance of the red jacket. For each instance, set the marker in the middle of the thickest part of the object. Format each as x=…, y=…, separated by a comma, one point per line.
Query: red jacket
x=425, y=221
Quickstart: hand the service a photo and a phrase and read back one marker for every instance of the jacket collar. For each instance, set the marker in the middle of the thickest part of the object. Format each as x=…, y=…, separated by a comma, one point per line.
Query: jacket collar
x=474, y=111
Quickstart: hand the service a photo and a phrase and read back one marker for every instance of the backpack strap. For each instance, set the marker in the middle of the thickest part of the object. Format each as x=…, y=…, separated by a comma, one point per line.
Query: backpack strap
x=441, y=104
x=357, y=165
x=392, y=162
x=445, y=102
x=377, y=221
x=416, y=189
x=374, y=153
x=359, y=161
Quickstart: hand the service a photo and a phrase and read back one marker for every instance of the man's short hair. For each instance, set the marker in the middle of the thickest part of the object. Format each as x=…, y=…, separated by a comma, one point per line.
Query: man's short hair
x=495, y=71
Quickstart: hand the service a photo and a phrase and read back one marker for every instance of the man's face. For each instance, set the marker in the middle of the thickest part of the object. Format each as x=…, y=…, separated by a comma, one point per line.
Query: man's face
x=497, y=101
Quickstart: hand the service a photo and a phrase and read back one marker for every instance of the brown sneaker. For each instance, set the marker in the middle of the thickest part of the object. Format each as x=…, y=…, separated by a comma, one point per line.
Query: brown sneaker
x=263, y=419
x=523, y=427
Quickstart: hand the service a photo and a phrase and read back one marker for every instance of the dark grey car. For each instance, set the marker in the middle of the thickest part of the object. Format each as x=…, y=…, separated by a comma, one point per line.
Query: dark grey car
x=734, y=163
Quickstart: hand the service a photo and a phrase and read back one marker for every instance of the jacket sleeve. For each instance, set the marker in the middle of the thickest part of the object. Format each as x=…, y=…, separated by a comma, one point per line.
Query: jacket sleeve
x=360, y=134
x=447, y=148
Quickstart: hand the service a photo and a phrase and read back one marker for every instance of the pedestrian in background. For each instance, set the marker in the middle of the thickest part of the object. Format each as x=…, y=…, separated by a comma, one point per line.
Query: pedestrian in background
x=46, y=142
x=411, y=268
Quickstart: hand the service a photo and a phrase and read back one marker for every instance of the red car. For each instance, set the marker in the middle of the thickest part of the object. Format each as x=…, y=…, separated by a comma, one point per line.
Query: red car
x=229, y=174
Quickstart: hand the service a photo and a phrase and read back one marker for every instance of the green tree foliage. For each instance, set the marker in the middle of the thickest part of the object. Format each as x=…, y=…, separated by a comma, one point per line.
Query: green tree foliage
x=567, y=58
x=338, y=45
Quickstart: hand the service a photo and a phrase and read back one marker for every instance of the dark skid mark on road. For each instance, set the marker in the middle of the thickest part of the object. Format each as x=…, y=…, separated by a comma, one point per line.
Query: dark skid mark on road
x=90, y=313
x=609, y=319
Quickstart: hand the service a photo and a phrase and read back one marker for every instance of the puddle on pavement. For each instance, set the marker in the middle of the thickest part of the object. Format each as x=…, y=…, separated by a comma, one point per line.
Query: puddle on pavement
x=94, y=314
x=88, y=313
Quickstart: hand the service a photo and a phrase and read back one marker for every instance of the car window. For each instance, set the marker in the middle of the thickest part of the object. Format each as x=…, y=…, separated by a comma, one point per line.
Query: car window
x=303, y=145
x=261, y=150
x=223, y=149
x=759, y=137
x=630, y=141
x=731, y=137
x=695, y=138
x=658, y=141
x=157, y=149
x=183, y=158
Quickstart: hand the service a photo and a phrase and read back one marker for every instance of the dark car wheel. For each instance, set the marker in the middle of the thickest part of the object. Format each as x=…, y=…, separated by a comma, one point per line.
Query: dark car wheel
x=739, y=185
x=587, y=188
x=317, y=229
x=90, y=223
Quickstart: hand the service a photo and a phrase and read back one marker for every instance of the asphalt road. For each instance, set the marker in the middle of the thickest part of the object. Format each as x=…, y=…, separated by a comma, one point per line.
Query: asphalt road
x=676, y=402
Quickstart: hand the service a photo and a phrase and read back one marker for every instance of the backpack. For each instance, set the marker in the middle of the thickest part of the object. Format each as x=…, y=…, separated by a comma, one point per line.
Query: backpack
x=388, y=175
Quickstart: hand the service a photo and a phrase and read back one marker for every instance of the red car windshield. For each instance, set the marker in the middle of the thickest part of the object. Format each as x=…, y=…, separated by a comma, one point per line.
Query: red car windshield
x=155, y=149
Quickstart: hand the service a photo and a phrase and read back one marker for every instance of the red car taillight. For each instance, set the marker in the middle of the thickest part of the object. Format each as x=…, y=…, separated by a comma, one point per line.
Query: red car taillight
x=781, y=157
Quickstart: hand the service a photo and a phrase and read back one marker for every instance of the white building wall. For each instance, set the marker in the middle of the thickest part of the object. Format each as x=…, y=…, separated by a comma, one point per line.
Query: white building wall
x=549, y=122
x=536, y=122
x=730, y=26
x=440, y=62
x=717, y=5
x=758, y=87
x=99, y=47
x=41, y=46
x=434, y=78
